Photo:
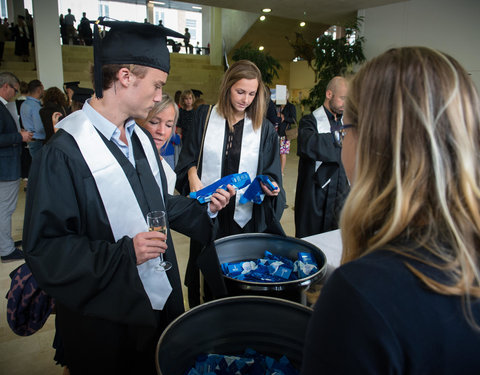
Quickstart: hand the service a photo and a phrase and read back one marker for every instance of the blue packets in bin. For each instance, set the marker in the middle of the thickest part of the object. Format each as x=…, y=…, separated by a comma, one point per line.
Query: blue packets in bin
x=272, y=268
x=239, y=180
x=251, y=363
x=254, y=193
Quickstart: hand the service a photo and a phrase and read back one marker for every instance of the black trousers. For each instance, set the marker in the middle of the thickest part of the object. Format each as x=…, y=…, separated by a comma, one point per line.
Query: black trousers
x=97, y=346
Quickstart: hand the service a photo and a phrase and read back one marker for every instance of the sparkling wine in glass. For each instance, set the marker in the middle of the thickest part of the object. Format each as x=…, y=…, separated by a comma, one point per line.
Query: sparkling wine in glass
x=157, y=221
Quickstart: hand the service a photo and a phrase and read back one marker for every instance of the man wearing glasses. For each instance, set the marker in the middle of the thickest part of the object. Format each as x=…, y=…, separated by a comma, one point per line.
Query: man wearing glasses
x=11, y=138
x=322, y=185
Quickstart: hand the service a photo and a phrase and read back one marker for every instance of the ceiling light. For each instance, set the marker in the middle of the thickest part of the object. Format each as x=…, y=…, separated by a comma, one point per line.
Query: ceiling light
x=157, y=2
x=266, y=10
x=302, y=24
x=195, y=7
x=262, y=18
x=261, y=48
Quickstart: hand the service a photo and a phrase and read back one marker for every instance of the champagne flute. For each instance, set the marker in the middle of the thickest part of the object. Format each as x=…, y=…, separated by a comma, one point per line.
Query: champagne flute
x=157, y=221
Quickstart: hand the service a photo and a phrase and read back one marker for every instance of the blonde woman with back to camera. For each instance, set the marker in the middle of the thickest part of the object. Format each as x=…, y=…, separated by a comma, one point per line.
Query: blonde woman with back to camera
x=405, y=300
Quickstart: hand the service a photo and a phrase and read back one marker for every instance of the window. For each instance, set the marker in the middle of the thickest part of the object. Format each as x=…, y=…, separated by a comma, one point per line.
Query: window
x=104, y=10
x=159, y=16
x=192, y=28
x=3, y=8
x=332, y=31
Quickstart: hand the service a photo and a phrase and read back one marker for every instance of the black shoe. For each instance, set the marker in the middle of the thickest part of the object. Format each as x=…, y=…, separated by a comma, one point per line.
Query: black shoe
x=17, y=254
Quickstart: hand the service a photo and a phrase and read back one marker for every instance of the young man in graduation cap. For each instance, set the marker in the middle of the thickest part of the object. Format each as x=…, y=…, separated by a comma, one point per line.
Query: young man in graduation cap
x=85, y=235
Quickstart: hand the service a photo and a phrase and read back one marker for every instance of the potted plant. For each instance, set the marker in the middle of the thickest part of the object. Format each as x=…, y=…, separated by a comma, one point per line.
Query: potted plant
x=265, y=62
x=334, y=57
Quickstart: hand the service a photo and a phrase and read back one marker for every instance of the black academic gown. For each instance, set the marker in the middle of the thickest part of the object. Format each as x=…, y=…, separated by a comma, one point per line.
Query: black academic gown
x=104, y=316
x=318, y=202
x=265, y=217
x=289, y=113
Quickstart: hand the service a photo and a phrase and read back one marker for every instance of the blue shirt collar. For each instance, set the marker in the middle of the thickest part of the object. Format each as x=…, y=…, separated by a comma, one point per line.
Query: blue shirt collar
x=104, y=126
x=34, y=99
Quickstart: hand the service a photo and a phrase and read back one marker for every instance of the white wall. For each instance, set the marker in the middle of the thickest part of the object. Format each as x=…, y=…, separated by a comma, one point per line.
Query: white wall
x=235, y=24
x=449, y=26
x=47, y=43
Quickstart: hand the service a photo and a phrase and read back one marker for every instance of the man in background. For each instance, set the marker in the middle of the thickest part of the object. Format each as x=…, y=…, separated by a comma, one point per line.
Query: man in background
x=321, y=183
x=69, y=24
x=30, y=114
x=4, y=36
x=11, y=138
x=186, y=40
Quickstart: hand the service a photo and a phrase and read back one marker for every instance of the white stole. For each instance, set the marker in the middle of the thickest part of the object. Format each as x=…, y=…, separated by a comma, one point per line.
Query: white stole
x=171, y=176
x=323, y=126
x=213, y=156
x=123, y=212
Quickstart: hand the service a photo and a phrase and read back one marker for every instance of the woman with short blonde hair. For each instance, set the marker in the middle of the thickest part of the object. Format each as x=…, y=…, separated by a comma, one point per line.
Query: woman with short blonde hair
x=405, y=300
x=160, y=123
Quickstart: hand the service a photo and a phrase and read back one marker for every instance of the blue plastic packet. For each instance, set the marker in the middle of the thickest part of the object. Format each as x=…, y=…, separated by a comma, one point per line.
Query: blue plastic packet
x=306, y=258
x=306, y=264
x=267, y=182
x=305, y=269
x=238, y=180
x=254, y=193
x=235, y=267
x=283, y=271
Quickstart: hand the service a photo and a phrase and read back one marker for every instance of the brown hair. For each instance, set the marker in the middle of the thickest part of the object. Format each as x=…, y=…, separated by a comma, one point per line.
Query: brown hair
x=53, y=95
x=417, y=176
x=109, y=72
x=242, y=69
x=184, y=95
x=198, y=103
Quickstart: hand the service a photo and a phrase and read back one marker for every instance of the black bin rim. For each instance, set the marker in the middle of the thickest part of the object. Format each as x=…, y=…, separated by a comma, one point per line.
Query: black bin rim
x=222, y=301
x=255, y=285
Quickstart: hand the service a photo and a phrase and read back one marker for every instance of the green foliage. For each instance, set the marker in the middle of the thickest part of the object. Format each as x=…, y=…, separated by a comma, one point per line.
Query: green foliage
x=335, y=57
x=267, y=64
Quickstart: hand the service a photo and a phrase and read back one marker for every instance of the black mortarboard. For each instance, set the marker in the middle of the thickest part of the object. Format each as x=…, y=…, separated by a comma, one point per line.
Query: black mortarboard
x=130, y=43
x=80, y=94
x=197, y=93
x=71, y=84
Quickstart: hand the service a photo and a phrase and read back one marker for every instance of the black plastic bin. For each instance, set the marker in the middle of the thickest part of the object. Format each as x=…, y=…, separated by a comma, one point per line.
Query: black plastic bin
x=271, y=326
x=250, y=246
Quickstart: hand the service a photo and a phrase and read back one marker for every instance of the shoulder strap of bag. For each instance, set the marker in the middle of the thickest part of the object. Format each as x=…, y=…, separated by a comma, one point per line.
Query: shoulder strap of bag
x=203, y=135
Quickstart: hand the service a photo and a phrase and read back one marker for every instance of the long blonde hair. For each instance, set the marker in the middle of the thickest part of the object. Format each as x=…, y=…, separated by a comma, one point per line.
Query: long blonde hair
x=256, y=110
x=416, y=114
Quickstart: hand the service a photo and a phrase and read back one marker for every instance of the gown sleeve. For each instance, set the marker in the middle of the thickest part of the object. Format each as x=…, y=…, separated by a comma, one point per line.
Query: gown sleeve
x=189, y=217
x=190, y=150
x=290, y=113
x=69, y=245
x=269, y=213
x=314, y=145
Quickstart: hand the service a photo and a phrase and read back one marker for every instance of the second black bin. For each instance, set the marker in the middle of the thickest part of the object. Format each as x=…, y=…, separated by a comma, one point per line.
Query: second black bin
x=250, y=246
x=271, y=326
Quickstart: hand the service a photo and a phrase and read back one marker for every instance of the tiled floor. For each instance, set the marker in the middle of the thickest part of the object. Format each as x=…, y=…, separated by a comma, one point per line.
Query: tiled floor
x=34, y=354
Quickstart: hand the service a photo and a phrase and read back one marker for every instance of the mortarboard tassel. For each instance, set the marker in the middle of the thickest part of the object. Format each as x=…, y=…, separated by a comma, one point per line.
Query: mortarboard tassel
x=97, y=61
